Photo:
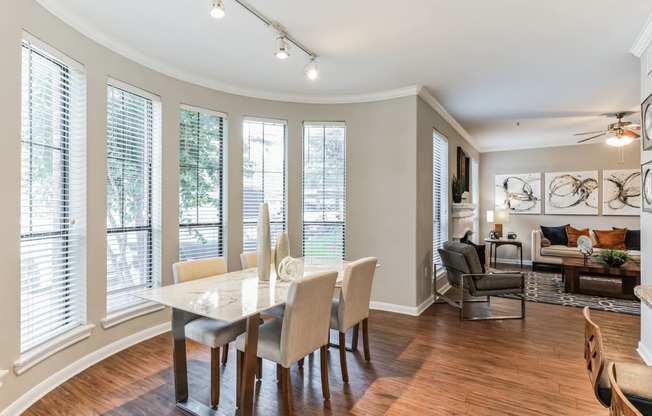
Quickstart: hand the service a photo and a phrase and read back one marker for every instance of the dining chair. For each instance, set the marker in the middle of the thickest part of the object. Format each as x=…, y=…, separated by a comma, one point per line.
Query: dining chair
x=634, y=380
x=303, y=329
x=207, y=331
x=249, y=259
x=352, y=308
x=620, y=406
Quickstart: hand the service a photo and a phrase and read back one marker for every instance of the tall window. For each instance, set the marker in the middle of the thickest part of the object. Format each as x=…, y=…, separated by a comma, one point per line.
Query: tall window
x=52, y=256
x=134, y=131
x=324, y=190
x=263, y=151
x=475, y=199
x=201, y=183
x=439, y=193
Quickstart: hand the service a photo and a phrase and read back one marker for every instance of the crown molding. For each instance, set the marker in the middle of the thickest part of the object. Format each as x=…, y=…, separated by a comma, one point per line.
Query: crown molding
x=643, y=40
x=435, y=105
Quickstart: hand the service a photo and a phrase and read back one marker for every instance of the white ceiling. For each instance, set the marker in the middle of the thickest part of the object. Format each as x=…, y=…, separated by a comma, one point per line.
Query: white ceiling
x=553, y=66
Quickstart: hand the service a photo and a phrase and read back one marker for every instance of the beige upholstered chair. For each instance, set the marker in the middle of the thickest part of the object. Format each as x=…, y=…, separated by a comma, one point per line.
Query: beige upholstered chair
x=210, y=332
x=634, y=380
x=620, y=406
x=465, y=273
x=303, y=329
x=353, y=307
x=249, y=259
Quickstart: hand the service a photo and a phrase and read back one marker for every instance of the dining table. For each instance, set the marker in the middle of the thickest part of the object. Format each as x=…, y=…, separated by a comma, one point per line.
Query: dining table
x=228, y=297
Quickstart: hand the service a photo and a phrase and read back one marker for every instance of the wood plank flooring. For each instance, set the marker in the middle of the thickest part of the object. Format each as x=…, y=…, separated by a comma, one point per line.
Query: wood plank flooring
x=433, y=364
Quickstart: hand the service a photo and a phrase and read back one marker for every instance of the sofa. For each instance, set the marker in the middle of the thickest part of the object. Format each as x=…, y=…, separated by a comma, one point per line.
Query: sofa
x=553, y=254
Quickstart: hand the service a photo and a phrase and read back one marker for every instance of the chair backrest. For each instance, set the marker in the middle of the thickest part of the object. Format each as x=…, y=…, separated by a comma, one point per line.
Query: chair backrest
x=356, y=292
x=307, y=316
x=459, y=259
x=620, y=406
x=185, y=271
x=593, y=352
x=249, y=259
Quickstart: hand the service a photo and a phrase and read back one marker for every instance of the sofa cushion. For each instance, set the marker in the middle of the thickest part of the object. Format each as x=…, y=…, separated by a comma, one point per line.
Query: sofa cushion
x=632, y=238
x=561, y=251
x=611, y=238
x=556, y=235
x=545, y=242
x=573, y=234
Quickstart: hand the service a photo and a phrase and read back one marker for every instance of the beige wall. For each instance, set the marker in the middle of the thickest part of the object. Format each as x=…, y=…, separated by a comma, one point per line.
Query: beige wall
x=596, y=156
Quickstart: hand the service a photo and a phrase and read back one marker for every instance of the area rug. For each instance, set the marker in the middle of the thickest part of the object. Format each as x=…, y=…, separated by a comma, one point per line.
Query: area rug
x=548, y=288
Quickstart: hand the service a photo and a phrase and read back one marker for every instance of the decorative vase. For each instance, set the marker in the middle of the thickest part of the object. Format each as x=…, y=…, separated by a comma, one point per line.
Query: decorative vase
x=282, y=249
x=457, y=198
x=615, y=263
x=264, y=243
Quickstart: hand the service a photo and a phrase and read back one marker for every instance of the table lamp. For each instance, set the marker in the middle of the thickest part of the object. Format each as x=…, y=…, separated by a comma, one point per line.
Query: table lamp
x=500, y=218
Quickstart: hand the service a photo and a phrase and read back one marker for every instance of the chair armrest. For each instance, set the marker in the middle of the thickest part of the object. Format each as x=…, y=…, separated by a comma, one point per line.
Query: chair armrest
x=536, y=245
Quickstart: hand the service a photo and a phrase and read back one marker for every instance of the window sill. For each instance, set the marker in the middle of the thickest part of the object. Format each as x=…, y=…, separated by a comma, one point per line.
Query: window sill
x=3, y=373
x=130, y=313
x=40, y=353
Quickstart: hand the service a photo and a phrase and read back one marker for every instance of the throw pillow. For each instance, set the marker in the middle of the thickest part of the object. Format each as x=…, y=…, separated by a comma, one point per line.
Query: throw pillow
x=545, y=242
x=611, y=238
x=556, y=235
x=632, y=238
x=573, y=234
x=481, y=250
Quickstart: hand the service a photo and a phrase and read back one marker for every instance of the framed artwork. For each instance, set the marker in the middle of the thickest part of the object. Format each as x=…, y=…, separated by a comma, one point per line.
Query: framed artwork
x=519, y=193
x=646, y=125
x=621, y=192
x=646, y=174
x=463, y=168
x=571, y=193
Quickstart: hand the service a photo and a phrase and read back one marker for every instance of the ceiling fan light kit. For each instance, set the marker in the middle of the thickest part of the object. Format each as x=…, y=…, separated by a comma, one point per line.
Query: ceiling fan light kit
x=623, y=131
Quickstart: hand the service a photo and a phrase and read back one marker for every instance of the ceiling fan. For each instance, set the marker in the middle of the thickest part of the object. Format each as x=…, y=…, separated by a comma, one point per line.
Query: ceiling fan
x=623, y=131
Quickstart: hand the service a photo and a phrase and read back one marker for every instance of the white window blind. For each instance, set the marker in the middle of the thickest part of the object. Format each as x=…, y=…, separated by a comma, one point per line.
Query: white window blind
x=201, y=183
x=263, y=151
x=475, y=199
x=134, y=134
x=440, y=194
x=324, y=189
x=52, y=251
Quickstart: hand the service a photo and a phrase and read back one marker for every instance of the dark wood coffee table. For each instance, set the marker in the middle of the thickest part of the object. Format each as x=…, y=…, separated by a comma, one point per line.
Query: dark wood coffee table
x=573, y=268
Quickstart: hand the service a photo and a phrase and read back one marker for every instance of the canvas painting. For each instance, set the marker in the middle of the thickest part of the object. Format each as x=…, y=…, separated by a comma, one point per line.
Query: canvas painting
x=571, y=193
x=518, y=193
x=621, y=192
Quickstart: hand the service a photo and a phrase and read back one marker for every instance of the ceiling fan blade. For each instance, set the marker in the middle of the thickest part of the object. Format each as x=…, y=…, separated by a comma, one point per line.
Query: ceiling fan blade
x=634, y=126
x=592, y=137
x=590, y=132
x=631, y=134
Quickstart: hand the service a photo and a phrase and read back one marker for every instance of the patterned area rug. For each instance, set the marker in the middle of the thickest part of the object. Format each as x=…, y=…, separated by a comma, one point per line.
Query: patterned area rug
x=548, y=288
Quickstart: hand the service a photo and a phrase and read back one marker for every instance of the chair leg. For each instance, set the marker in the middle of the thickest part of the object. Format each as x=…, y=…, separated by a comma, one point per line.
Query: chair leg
x=325, y=388
x=354, y=339
x=215, y=377
x=238, y=377
x=279, y=373
x=345, y=371
x=259, y=369
x=225, y=354
x=301, y=362
x=365, y=339
x=286, y=386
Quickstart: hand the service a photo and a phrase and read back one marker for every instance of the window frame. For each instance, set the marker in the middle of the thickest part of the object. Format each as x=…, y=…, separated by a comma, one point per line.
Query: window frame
x=440, y=209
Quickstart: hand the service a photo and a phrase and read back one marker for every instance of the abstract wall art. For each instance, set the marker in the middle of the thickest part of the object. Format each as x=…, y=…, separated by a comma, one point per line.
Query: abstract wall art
x=646, y=173
x=571, y=193
x=621, y=192
x=518, y=193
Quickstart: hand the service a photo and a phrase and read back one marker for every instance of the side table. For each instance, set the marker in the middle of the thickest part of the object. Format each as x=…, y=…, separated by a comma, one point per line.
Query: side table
x=494, y=244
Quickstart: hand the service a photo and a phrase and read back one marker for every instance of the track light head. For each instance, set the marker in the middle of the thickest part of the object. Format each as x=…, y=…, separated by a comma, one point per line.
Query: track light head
x=282, y=48
x=311, y=69
x=218, y=9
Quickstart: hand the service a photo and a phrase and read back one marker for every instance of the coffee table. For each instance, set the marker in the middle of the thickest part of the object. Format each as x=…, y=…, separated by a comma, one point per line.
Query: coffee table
x=573, y=268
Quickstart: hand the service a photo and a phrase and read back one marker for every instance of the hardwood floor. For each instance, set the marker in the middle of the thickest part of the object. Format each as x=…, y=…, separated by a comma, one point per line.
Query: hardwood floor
x=433, y=364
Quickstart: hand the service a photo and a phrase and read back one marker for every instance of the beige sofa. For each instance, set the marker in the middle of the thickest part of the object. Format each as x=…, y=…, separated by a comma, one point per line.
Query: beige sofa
x=554, y=254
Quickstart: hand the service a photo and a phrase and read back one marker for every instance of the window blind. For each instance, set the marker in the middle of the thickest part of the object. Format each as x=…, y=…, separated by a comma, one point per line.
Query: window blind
x=133, y=133
x=475, y=199
x=52, y=252
x=440, y=194
x=324, y=189
x=263, y=151
x=201, y=183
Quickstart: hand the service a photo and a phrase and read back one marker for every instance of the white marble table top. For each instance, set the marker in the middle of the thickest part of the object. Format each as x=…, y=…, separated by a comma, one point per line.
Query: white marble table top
x=232, y=296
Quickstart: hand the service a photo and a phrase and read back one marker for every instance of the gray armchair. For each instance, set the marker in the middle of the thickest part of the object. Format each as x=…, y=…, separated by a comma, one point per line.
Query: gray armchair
x=465, y=273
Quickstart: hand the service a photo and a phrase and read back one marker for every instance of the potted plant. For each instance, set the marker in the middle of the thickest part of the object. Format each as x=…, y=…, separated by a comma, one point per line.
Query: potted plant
x=614, y=257
x=458, y=189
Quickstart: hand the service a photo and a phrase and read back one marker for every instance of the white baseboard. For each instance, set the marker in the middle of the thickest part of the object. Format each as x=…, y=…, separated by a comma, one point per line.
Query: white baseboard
x=645, y=354
x=47, y=385
x=515, y=261
x=405, y=310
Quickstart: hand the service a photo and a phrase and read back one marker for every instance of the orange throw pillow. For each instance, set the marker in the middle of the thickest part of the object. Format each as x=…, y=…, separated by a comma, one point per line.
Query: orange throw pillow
x=611, y=238
x=573, y=234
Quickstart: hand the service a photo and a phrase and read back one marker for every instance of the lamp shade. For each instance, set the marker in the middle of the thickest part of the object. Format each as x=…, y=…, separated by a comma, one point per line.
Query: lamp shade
x=490, y=216
x=501, y=217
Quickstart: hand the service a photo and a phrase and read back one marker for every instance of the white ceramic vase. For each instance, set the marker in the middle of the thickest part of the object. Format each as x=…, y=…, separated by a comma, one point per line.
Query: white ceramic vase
x=264, y=243
x=282, y=249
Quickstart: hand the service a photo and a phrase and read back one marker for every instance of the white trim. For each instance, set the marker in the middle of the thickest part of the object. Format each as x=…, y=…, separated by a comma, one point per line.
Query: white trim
x=130, y=313
x=514, y=261
x=33, y=40
x=439, y=109
x=643, y=40
x=40, y=353
x=266, y=120
x=645, y=354
x=47, y=385
x=203, y=110
x=425, y=304
x=133, y=89
x=324, y=124
x=391, y=307
x=3, y=373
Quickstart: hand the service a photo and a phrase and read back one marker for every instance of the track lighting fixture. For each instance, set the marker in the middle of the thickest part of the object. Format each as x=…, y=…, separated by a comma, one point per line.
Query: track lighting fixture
x=218, y=9
x=282, y=48
x=311, y=69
